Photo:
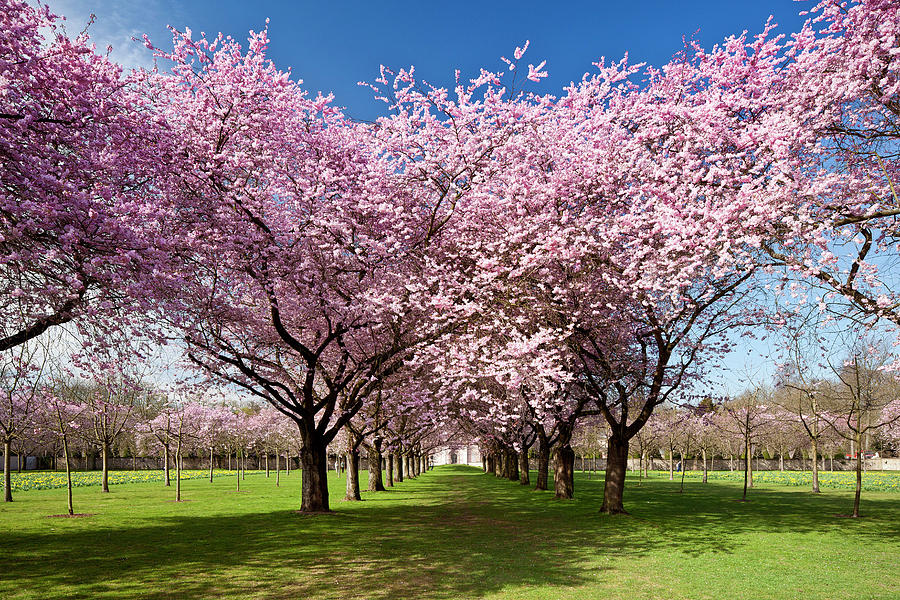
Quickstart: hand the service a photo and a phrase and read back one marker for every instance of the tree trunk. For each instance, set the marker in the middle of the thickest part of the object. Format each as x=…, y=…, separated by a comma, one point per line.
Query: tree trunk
x=376, y=483
x=211, y=460
x=524, y=476
x=671, y=464
x=859, y=454
x=398, y=464
x=543, y=470
x=277, y=468
x=178, y=472
x=166, y=463
x=564, y=472
x=314, y=479
x=499, y=467
x=353, y=475
x=746, y=466
x=815, y=471
x=750, y=468
x=68, y=474
x=389, y=471
x=237, y=463
x=7, y=476
x=705, y=480
x=19, y=462
x=614, y=486
x=512, y=465
x=267, y=464
x=104, y=475
x=641, y=458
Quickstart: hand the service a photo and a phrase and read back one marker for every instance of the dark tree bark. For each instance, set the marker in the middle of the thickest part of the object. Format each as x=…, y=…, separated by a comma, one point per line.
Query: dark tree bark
x=104, y=476
x=68, y=474
x=390, y=470
x=7, y=476
x=398, y=462
x=543, y=471
x=353, y=474
x=237, y=472
x=524, y=478
x=858, y=492
x=616, y=463
x=376, y=483
x=512, y=465
x=564, y=472
x=178, y=472
x=705, y=468
x=815, y=469
x=748, y=481
x=166, y=462
x=314, y=480
x=314, y=466
x=499, y=466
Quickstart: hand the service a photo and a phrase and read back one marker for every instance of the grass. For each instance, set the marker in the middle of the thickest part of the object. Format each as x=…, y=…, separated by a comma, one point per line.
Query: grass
x=452, y=533
x=871, y=481
x=45, y=480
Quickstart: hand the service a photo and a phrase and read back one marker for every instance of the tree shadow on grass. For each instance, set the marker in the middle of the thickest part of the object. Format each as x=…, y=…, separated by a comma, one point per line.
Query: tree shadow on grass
x=455, y=533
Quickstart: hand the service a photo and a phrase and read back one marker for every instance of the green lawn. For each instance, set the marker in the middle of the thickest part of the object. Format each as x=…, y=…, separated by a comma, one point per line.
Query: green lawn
x=44, y=480
x=882, y=481
x=452, y=533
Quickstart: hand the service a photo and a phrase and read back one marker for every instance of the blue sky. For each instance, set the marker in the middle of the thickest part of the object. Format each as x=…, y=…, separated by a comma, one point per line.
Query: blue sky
x=333, y=45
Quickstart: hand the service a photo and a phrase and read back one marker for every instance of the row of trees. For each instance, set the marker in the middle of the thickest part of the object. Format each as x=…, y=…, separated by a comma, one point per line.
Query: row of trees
x=49, y=415
x=478, y=258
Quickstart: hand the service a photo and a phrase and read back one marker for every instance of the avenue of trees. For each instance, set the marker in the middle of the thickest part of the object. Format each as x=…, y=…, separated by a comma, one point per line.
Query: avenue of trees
x=533, y=273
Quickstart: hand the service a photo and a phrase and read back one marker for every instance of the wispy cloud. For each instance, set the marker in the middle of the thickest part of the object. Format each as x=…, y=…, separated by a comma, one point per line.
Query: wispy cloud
x=116, y=23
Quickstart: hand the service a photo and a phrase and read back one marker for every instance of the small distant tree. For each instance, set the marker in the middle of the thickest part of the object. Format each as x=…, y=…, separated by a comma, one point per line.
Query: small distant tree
x=107, y=406
x=64, y=419
x=864, y=391
x=21, y=371
x=747, y=416
x=891, y=432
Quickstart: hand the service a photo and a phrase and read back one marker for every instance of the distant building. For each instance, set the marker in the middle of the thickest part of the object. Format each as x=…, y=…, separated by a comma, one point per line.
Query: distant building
x=458, y=455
